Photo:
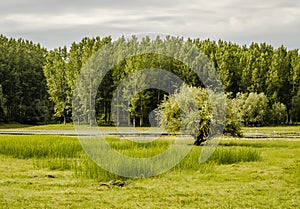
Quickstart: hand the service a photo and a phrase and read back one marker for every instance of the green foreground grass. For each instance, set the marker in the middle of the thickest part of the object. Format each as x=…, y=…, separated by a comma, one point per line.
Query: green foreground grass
x=54, y=172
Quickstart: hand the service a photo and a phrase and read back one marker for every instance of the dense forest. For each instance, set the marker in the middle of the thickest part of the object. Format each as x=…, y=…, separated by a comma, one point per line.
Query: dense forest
x=37, y=85
x=23, y=90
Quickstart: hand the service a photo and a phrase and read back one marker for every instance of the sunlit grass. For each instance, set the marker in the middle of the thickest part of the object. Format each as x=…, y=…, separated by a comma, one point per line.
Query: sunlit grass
x=68, y=126
x=231, y=155
x=48, y=180
x=39, y=146
x=17, y=126
x=285, y=129
x=65, y=153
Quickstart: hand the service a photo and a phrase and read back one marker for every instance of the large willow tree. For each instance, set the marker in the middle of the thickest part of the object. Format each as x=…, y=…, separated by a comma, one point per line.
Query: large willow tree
x=191, y=111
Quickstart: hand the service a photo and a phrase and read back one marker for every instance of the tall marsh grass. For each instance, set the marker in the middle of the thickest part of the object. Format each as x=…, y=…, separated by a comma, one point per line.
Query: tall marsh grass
x=39, y=146
x=65, y=153
x=231, y=155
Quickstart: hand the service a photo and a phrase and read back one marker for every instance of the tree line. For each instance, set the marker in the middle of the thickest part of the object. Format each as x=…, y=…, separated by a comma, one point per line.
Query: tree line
x=37, y=85
x=23, y=90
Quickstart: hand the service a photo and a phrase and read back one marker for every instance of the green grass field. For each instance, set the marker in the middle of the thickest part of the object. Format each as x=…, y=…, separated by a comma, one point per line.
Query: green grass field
x=18, y=126
x=285, y=129
x=68, y=126
x=54, y=172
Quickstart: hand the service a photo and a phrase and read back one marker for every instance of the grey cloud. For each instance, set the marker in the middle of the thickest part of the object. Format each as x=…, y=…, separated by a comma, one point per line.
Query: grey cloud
x=60, y=22
x=68, y=6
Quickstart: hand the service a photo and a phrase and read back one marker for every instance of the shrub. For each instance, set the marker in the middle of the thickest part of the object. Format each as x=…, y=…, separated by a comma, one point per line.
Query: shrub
x=278, y=113
x=256, y=109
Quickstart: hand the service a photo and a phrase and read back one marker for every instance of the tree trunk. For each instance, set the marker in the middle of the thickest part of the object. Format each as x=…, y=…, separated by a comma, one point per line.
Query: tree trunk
x=118, y=116
x=128, y=120
x=105, y=112
x=141, y=121
x=199, y=139
x=129, y=115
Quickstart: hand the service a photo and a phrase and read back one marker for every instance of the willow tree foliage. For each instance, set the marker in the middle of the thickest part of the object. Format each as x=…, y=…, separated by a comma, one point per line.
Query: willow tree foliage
x=191, y=111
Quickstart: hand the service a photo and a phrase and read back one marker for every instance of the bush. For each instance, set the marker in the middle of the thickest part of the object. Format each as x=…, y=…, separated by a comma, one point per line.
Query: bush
x=278, y=113
x=256, y=109
x=252, y=108
x=233, y=124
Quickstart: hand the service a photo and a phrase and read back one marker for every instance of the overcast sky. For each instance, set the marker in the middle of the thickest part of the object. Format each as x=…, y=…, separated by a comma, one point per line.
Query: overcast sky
x=56, y=23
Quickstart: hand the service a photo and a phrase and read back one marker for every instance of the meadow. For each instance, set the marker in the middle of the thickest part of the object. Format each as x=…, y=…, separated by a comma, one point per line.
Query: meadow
x=54, y=172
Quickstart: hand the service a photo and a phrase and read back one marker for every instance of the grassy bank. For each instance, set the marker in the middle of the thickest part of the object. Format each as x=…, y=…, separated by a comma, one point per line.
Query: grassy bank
x=284, y=129
x=70, y=126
